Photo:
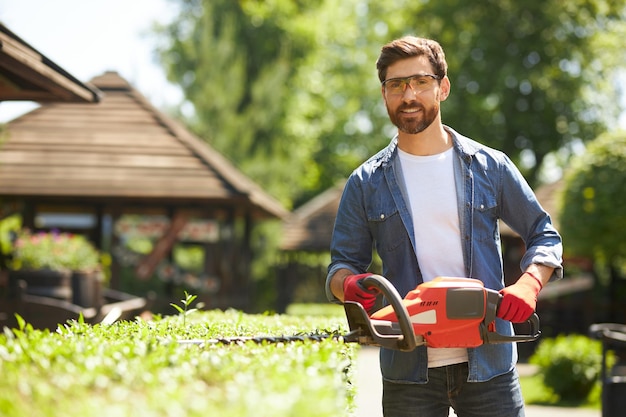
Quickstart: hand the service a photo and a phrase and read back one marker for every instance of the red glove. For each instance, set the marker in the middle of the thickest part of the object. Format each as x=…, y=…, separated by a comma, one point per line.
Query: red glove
x=520, y=299
x=353, y=290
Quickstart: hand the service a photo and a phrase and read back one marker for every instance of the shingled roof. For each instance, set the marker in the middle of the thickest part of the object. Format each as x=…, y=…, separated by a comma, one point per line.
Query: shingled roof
x=121, y=148
x=26, y=74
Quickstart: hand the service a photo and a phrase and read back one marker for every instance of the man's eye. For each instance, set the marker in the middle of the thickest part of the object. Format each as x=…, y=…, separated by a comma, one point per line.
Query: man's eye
x=395, y=84
x=422, y=80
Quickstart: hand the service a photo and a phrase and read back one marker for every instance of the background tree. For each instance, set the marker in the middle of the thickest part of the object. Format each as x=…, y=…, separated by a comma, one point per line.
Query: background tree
x=527, y=77
x=593, y=211
x=233, y=61
x=288, y=89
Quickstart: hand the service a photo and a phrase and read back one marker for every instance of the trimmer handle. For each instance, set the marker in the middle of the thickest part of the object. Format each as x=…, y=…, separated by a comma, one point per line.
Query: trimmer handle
x=394, y=298
x=494, y=298
x=365, y=332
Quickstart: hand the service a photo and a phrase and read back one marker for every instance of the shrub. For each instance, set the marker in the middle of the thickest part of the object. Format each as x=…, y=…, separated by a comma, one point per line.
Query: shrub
x=569, y=365
x=138, y=369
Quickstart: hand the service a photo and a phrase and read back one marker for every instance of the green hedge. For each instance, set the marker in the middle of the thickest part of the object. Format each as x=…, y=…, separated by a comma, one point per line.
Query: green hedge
x=138, y=369
x=570, y=365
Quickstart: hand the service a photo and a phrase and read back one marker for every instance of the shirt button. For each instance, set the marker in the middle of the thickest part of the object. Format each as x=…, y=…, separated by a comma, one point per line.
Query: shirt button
x=382, y=216
x=482, y=206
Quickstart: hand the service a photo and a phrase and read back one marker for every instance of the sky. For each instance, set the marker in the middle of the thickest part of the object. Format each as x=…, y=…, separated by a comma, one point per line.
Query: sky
x=89, y=37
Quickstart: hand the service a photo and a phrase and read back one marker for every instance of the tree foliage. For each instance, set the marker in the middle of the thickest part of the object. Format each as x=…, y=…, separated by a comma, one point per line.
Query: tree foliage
x=287, y=89
x=527, y=76
x=233, y=67
x=593, y=209
x=593, y=215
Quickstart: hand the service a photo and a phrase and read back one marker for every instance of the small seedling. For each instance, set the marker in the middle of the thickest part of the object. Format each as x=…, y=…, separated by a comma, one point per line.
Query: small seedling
x=185, y=310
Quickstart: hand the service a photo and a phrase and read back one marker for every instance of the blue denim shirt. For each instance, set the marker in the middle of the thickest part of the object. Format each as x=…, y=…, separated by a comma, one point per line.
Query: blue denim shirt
x=374, y=211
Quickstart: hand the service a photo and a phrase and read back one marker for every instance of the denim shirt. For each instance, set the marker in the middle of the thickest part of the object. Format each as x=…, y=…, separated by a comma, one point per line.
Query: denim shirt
x=374, y=211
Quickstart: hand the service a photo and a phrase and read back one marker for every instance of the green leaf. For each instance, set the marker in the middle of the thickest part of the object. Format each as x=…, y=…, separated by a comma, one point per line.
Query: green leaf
x=178, y=308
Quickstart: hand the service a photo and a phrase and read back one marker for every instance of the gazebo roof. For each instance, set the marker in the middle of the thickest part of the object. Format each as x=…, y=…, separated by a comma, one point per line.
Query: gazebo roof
x=122, y=148
x=26, y=74
x=310, y=227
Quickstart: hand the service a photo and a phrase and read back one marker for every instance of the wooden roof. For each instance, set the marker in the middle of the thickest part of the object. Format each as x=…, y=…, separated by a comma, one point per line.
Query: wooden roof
x=310, y=227
x=26, y=74
x=121, y=148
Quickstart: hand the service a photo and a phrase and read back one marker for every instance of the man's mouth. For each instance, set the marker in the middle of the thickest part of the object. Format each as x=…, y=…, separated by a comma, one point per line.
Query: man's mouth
x=410, y=110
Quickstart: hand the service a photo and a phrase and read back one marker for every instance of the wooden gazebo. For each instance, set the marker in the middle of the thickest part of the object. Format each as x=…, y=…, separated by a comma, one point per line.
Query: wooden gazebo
x=86, y=168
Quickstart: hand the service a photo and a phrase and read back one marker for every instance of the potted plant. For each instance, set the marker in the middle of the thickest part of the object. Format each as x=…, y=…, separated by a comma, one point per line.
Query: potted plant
x=60, y=265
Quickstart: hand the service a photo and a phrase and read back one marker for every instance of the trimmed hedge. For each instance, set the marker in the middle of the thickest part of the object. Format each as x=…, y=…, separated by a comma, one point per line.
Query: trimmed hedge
x=138, y=369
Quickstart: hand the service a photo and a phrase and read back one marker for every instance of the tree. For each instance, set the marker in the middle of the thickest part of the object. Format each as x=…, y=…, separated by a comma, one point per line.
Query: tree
x=233, y=60
x=528, y=77
x=593, y=210
x=288, y=89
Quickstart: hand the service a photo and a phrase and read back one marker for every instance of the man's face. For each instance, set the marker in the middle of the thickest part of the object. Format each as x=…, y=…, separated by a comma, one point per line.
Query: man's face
x=414, y=109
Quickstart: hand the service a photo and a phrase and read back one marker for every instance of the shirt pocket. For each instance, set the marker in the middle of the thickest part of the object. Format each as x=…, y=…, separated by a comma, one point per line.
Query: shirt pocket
x=386, y=225
x=485, y=217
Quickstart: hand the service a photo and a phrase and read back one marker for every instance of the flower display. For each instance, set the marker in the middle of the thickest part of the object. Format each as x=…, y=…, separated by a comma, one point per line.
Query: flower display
x=54, y=251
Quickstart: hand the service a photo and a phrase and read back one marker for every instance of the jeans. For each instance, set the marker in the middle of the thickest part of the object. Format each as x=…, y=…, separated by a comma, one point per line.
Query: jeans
x=448, y=387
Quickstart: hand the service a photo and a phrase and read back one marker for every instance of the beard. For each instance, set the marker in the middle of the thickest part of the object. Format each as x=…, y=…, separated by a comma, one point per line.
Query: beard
x=413, y=124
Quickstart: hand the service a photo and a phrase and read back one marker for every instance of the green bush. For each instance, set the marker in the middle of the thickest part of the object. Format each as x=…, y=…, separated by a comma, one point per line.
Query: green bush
x=569, y=365
x=139, y=369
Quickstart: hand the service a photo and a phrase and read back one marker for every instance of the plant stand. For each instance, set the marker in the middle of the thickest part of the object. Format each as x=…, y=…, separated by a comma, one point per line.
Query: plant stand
x=44, y=283
x=87, y=288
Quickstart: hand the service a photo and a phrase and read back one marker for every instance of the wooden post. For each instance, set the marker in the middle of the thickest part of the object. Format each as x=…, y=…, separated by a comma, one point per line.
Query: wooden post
x=148, y=264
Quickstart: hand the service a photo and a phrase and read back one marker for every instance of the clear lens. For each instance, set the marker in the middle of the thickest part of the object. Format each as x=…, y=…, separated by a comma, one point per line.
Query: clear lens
x=418, y=83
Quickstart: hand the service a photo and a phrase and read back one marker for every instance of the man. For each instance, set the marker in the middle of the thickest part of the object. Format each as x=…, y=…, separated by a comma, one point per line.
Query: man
x=430, y=203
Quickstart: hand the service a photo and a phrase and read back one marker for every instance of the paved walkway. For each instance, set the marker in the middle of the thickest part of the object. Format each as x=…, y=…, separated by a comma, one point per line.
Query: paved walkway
x=369, y=392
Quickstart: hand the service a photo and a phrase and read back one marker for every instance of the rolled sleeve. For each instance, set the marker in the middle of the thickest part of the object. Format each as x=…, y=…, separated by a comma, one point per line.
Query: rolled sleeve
x=548, y=256
x=332, y=270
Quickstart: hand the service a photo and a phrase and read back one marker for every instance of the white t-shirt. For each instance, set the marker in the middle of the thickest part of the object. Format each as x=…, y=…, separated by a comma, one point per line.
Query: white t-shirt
x=433, y=204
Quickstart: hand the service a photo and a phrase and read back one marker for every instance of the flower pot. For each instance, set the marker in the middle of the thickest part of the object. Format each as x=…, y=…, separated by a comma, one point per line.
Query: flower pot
x=87, y=288
x=44, y=282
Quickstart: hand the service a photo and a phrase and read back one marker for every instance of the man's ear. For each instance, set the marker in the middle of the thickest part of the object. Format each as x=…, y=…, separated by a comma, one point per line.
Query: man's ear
x=444, y=88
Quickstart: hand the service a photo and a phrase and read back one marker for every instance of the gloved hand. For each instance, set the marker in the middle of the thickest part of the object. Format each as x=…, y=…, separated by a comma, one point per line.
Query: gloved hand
x=353, y=290
x=520, y=299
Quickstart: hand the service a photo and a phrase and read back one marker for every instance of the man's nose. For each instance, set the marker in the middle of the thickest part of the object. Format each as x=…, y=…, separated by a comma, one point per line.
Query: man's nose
x=409, y=92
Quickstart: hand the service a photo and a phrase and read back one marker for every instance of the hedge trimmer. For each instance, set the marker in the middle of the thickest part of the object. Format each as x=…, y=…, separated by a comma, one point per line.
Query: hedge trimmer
x=445, y=312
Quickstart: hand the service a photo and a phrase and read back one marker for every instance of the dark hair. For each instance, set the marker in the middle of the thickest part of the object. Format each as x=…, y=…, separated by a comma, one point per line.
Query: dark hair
x=408, y=47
